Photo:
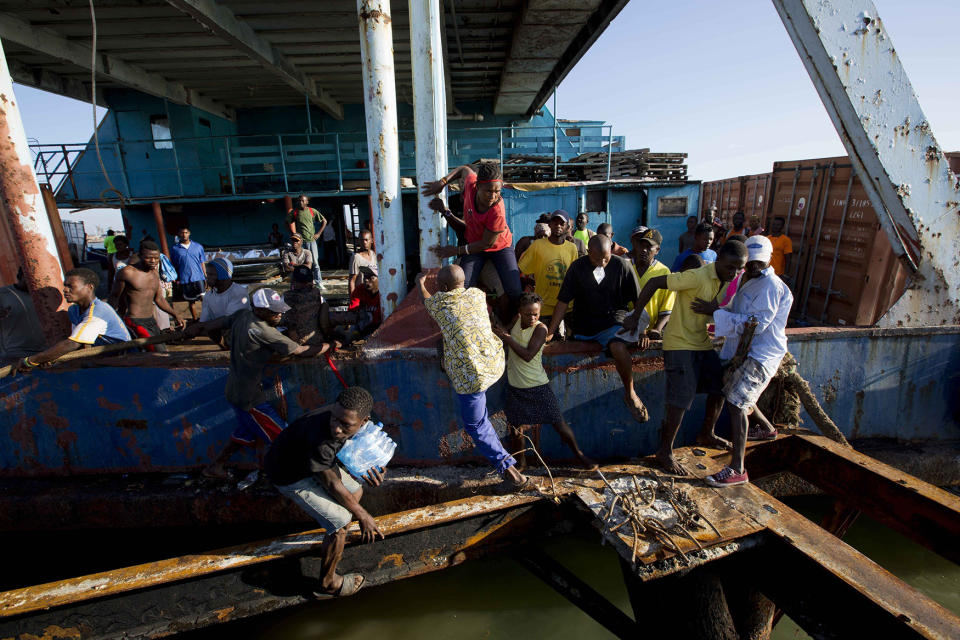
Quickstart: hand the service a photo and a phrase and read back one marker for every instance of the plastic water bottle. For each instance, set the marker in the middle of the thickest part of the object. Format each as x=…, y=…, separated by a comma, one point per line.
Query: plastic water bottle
x=370, y=447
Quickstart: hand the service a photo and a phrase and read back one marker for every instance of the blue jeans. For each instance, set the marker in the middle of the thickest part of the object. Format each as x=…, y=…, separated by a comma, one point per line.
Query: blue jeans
x=476, y=422
x=504, y=260
x=312, y=248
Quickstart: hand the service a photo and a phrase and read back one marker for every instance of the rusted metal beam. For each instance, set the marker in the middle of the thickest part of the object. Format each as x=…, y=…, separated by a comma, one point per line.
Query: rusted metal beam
x=161, y=228
x=578, y=592
x=56, y=225
x=171, y=596
x=925, y=513
x=849, y=54
x=25, y=217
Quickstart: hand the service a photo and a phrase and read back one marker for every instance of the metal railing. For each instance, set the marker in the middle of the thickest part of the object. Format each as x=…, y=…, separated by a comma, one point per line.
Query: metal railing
x=271, y=163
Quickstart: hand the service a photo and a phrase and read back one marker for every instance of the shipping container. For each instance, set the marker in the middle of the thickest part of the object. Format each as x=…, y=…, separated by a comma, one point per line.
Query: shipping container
x=743, y=193
x=843, y=270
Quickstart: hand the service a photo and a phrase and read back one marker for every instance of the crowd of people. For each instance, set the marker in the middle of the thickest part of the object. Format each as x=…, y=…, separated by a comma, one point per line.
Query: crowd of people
x=564, y=282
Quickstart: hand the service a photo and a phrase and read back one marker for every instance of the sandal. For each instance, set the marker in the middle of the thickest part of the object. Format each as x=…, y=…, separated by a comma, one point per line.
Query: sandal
x=348, y=587
x=756, y=433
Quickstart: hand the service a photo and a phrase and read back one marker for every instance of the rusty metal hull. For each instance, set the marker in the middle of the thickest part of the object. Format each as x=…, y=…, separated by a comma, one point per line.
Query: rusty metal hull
x=161, y=414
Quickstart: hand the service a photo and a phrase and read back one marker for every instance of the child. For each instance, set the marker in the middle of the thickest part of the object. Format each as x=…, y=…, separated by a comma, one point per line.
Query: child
x=473, y=359
x=530, y=400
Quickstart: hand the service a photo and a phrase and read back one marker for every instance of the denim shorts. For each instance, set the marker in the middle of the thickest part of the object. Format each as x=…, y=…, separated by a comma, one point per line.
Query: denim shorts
x=604, y=337
x=312, y=497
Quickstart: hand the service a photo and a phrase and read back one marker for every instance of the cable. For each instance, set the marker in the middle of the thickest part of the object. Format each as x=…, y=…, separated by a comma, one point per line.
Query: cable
x=93, y=105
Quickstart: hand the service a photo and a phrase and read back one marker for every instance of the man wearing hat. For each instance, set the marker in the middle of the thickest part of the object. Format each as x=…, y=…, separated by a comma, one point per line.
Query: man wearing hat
x=254, y=340
x=547, y=260
x=224, y=296
x=297, y=255
x=646, y=245
x=309, y=315
x=762, y=297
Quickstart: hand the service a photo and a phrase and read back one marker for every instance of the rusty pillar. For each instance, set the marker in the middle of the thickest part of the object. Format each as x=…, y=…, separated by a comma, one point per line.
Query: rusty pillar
x=56, y=224
x=161, y=228
x=28, y=223
x=383, y=148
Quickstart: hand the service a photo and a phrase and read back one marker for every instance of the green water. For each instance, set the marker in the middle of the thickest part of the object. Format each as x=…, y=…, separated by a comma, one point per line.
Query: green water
x=497, y=598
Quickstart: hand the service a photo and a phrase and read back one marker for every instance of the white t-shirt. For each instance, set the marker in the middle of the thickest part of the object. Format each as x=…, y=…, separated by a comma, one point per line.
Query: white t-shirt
x=217, y=305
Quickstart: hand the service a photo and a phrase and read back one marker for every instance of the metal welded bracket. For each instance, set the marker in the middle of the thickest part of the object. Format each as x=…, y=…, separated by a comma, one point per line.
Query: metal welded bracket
x=850, y=57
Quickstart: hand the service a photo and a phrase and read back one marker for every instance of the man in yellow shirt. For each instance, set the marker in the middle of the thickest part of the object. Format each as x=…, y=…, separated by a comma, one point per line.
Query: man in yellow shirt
x=547, y=260
x=646, y=245
x=782, y=247
x=691, y=363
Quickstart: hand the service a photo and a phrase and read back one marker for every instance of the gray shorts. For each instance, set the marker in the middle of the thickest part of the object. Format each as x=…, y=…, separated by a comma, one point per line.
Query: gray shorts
x=312, y=497
x=690, y=373
x=744, y=384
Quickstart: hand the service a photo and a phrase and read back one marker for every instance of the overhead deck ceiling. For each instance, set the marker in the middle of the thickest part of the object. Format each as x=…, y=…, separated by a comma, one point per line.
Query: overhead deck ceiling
x=221, y=55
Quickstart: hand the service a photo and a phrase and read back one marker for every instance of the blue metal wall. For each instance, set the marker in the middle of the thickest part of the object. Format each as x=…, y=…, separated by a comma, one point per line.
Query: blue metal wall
x=147, y=416
x=671, y=227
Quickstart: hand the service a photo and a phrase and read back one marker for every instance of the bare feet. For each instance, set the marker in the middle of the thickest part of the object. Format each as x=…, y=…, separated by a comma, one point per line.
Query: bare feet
x=636, y=408
x=587, y=463
x=670, y=464
x=714, y=441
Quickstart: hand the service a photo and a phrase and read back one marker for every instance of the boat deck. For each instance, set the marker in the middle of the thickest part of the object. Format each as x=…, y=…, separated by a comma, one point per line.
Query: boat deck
x=748, y=527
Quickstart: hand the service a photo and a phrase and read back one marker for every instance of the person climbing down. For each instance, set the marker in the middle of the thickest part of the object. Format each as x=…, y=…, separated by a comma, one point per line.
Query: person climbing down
x=473, y=359
x=530, y=400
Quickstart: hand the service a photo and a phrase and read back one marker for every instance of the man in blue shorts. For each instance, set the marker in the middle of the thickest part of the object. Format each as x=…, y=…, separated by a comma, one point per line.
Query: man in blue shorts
x=601, y=287
x=254, y=340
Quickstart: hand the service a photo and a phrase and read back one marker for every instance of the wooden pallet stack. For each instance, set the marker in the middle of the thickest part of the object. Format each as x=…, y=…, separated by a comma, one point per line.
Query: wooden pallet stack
x=634, y=163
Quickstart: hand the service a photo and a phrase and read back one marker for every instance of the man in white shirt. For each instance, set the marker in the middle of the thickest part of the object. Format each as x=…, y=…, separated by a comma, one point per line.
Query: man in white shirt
x=762, y=297
x=225, y=296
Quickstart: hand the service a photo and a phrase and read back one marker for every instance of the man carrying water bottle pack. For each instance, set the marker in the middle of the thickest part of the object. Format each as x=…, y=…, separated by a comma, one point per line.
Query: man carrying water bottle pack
x=302, y=463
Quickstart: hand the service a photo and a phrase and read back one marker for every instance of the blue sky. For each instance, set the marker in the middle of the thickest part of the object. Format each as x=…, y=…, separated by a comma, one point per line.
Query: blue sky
x=719, y=80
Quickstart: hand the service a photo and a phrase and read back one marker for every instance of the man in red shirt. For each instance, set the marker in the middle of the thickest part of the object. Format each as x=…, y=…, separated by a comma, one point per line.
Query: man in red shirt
x=485, y=224
x=365, y=302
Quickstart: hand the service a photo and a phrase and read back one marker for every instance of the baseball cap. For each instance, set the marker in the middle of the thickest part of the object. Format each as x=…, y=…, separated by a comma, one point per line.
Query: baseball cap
x=759, y=249
x=302, y=273
x=223, y=267
x=560, y=213
x=648, y=234
x=544, y=217
x=367, y=272
x=295, y=236
x=269, y=299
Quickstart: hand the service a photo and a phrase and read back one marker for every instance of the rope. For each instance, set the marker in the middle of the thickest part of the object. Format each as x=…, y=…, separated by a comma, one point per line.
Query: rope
x=336, y=372
x=93, y=105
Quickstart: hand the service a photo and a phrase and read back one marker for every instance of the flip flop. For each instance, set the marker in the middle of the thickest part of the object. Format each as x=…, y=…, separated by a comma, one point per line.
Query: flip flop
x=348, y=587
x=639, y=414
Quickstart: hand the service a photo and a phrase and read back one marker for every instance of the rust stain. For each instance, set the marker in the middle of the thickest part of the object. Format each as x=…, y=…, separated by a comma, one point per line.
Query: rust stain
x=103, y=403
x=392, y=297
x=308, y=397
x=396, y=559
x=393, y=393
x=443, y=383
x=415, y=396
x=224, y=614
x=132, y=424
x=417, y=425
x=22, y=434
x=75, y=387
x=55, y=632
x=136, y=402
x=175, y=386
x=392, y=271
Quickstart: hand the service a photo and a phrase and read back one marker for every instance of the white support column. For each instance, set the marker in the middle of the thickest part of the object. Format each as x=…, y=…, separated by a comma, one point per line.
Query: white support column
x=850, y=57
x=380, y=105
x=25, y=215
x=430, y=117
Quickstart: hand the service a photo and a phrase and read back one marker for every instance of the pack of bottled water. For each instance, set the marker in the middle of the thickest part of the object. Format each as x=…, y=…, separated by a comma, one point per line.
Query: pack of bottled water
x=368, y=448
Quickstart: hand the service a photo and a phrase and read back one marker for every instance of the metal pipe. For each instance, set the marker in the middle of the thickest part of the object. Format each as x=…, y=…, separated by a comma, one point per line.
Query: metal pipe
x=233, y=182
x=161, y=228
x=429, y=117
x=283, y=163
x=554, y=134
x=383, y=147
x=56, y=224
x=836, y=248
x=824, y=197
x=22, y=212
x=609, y=149
x=339, y=164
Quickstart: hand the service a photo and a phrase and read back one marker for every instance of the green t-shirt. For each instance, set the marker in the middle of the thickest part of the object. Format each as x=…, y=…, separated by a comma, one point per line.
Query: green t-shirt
x=303, y=221
x=109, y=245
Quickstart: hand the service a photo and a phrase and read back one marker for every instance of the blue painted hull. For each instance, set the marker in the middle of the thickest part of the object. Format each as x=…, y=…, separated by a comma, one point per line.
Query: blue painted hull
x=142, y=413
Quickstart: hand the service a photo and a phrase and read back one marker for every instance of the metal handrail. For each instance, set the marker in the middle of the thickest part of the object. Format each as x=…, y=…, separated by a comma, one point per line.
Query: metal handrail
x=56, y=163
